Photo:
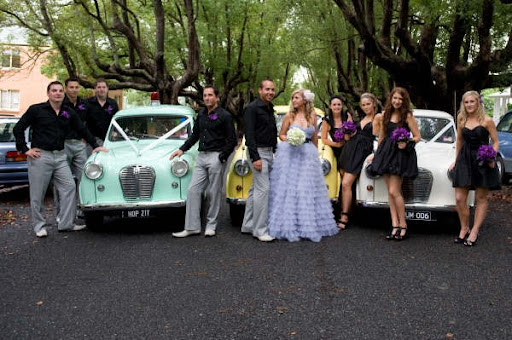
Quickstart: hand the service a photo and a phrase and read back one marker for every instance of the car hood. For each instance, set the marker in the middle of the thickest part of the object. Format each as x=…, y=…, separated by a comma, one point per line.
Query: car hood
x=123, y=153
x=435, y=154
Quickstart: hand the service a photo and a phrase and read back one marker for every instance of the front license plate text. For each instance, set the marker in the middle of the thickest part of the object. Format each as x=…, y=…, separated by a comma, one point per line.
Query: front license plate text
x=418, y=215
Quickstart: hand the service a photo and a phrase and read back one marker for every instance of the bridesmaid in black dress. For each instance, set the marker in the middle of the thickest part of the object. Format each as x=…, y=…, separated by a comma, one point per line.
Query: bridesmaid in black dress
x=355, y=152
x=396, y=160
x=474, y=128
x=332, y=123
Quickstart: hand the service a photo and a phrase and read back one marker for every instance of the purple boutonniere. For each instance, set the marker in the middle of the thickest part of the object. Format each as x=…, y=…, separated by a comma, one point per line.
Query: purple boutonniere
x=81, y=107
x=109, y=110
x=213, y=116
x=64, y=114
x=485, y=154
x=338, y=135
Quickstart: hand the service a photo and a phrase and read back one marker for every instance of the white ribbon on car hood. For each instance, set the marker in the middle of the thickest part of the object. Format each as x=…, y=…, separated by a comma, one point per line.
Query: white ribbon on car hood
x=156, y=142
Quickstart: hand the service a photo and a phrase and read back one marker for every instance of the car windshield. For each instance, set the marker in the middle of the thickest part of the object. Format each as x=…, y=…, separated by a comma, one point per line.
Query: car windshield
x=505, y=125
x=6, y=134
x=149, y=127
x=430, y=126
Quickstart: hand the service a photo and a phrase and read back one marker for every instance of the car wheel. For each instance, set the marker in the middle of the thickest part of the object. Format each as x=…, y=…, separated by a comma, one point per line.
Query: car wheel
x=93, y=220
x=236, y=212
x=501, y=170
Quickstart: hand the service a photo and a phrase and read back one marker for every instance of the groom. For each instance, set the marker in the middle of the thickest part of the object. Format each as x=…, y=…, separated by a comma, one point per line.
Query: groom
x=261, y=141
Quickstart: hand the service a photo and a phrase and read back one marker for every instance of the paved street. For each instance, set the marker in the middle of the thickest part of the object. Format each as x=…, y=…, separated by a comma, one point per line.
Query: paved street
x=135, y=281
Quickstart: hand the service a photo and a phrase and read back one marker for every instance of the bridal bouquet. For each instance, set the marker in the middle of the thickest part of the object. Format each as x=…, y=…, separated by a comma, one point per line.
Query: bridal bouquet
x=295, y=136
x=485, y=154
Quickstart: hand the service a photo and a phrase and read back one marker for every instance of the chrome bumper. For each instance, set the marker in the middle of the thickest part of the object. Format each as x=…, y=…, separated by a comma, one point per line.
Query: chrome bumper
x=130, y=206
x=410, y=206
x=236, y=201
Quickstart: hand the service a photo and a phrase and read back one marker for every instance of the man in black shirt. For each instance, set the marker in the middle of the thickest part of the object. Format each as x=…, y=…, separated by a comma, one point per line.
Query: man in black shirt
x=101, y=109
x=74, y=147
x=50, y=123
x=261, y=141
x=214, y=130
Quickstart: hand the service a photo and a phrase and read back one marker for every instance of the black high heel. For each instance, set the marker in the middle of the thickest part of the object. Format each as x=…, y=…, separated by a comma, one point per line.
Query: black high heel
x=461, y=240
x=469, y=243
x=391, y=235
x=399, y=236
x=345, y=224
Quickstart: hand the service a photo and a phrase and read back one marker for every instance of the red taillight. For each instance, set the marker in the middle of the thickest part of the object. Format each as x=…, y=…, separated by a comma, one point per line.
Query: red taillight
x=15, y=156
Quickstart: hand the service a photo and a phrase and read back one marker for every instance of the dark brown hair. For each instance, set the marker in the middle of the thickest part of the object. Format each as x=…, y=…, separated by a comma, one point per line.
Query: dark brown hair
x=404, y=109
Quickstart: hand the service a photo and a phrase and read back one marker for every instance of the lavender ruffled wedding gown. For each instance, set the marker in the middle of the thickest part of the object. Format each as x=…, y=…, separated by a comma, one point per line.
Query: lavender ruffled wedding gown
x=299, y=205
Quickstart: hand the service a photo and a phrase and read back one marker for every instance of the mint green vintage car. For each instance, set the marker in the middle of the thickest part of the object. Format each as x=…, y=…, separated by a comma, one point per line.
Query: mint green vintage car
x=136, y=179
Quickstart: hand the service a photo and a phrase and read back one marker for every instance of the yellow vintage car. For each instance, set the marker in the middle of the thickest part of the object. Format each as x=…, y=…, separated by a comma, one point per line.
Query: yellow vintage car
x=239, y=178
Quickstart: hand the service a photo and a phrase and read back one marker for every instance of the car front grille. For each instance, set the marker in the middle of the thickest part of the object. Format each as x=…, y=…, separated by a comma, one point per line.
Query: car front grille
x=137, y=182
x=418, y=190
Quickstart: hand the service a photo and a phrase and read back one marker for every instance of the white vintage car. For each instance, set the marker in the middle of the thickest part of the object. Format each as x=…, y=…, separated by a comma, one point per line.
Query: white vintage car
x=430, y=195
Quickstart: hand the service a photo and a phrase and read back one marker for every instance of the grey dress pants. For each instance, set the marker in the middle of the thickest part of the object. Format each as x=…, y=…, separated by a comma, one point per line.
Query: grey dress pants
x=51, y=164
x=208, y=175
x=256, y=207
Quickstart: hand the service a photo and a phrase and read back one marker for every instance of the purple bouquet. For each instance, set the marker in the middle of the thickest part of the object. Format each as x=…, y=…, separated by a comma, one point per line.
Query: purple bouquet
x=348, y=127
x=213, y=116
x=338, y=135
x=400, y=135
x=485, y=154
x=65, y=114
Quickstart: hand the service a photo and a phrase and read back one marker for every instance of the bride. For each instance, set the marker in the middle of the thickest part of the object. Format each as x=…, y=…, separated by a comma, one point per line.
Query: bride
x=299, y=206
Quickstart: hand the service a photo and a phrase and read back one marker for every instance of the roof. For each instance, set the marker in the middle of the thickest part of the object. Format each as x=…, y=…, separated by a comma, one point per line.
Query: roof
x=432, y=113
x=157, y=110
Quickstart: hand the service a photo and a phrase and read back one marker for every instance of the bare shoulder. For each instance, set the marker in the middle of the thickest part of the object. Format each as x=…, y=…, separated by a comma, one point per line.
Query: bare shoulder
x=488, y=122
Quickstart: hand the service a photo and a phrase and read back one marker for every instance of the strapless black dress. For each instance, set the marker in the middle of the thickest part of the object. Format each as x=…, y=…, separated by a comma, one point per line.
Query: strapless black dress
x=391, y=160
x=467, y=172
x=357, y=149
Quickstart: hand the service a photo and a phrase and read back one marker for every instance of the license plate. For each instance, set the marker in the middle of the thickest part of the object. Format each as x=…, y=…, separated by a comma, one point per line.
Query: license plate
x=418, y=215
x=137, y=213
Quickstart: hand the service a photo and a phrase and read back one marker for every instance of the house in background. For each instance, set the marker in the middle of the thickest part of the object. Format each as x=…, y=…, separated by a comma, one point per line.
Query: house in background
x=21, y=81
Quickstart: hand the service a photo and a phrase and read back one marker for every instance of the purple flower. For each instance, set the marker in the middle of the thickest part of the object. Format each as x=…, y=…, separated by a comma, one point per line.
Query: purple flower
x=400, y=135
x=213, y=116
x=485, y=154
x=338, y=135
x=109, y=110
x=64, y=114
x=81, y=107
x=348, y=127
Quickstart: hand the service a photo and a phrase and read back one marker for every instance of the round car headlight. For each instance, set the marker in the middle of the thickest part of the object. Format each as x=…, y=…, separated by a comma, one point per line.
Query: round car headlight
x=241, y=167
x=179, y=168
x=326, y=166
x=93, y=170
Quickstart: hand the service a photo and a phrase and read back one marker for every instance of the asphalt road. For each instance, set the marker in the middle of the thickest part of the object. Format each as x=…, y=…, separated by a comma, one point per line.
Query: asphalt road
x=134, y=281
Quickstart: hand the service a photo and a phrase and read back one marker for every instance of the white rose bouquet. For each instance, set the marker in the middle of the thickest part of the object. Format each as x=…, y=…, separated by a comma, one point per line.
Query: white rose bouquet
x=295, y=136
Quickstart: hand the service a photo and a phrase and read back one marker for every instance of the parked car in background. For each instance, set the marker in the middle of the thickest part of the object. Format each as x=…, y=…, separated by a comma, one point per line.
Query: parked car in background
x=136, y=179
x=13, y=165
x=431, y=194
x=239, y=177
x=505, y=153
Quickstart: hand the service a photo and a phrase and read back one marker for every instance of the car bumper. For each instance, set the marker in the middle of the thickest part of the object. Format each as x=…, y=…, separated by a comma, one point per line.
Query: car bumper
x=409, y=206
x=236, y=201
x=131, y=206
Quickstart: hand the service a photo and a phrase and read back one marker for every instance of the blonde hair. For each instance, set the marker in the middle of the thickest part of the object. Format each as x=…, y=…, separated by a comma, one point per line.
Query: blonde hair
x=373, y=99
x=309, y=108
x=463, y=114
